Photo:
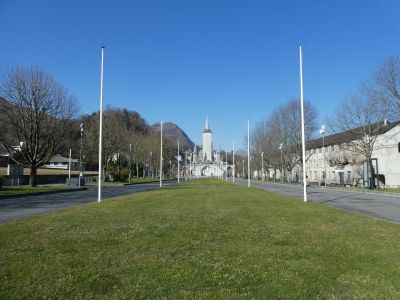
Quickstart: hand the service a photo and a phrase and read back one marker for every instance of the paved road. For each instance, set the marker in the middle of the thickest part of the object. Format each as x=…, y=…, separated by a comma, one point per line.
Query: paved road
x=22, y=207
x=377, y=205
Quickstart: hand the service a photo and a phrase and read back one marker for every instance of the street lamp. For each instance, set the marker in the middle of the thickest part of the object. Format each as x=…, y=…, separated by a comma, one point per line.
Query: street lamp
x=281, y=147
x=150, y=165
x=226, y=158
x=243, y=168
x=322, y=132
x=233, y=162
x=80, y=155
x=178, y=162
x=262, y=166
x=130, y=164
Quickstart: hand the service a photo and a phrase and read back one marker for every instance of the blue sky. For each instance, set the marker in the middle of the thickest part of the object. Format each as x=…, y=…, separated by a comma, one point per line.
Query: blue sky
x=181, y=60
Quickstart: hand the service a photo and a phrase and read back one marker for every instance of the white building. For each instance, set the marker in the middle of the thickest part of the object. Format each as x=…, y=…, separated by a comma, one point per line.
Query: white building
x=331, y=162
x=60, y=162
x=205, y=162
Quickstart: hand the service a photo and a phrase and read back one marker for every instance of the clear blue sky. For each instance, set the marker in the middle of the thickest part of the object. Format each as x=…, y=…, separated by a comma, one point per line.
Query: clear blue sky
x=181, y=60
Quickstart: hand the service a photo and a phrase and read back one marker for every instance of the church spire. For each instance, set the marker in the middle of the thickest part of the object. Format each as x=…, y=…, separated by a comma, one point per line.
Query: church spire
x=206, y=126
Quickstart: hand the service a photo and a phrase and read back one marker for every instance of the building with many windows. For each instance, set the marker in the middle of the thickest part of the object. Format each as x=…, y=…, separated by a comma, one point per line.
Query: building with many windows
x=331, y=161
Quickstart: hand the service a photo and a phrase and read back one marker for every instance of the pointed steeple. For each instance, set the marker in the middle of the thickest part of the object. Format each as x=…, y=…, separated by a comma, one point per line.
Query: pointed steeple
x=206, y=126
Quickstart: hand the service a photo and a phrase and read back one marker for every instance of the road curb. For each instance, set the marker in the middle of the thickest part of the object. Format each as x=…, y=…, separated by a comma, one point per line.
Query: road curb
x=156, y=181
x=42, y=193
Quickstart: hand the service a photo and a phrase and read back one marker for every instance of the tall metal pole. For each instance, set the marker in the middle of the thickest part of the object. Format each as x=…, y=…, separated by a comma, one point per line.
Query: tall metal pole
x=262, y=166
x=233, y=162
x=248, y=153
x=101, y=124
x=186, y=165
x=130, y=154
x=281, y=147
x=178, y=162
x=161, y=156
x=323, y=157
x=322, y=131
x=80, y=157
x=69, y=165
x=226, y=158
x=303, y=143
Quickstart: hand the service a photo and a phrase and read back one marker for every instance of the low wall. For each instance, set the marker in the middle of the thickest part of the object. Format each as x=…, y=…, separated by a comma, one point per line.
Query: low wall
x=40, y=180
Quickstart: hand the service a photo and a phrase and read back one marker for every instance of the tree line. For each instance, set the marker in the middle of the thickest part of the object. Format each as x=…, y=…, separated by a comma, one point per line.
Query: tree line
x=361, y=114
x=39, y=118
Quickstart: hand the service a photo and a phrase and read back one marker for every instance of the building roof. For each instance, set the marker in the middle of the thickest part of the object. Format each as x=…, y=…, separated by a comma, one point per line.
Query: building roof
x=59, y=158
x=351, y=135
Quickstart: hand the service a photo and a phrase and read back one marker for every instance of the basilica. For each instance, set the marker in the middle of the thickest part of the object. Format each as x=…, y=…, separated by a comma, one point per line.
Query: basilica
x=205, y=161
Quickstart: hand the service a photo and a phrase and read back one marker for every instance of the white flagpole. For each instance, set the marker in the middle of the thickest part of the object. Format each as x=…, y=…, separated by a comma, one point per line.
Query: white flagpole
x=178, y=162
x=101, y=124
x=248, y=153
x=161, y=156
x=233, y=161
x=303, y=144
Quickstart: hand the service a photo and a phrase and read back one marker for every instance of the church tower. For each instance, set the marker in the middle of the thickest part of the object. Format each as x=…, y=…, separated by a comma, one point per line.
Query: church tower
x=207, y=142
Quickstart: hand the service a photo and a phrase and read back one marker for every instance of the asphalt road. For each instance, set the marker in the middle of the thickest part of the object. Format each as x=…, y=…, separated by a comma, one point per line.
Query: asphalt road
x=22, y=207
x=378, y=205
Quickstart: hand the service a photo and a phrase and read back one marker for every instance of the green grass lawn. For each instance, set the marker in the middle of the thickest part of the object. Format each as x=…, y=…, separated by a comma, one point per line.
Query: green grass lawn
x=205, y=239
x=144, y=180
x=23, y=189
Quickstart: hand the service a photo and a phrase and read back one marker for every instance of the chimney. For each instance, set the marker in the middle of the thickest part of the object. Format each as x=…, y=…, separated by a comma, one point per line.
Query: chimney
x=384, y=122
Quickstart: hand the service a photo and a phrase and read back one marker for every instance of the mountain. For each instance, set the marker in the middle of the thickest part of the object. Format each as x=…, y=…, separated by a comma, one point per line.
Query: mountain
x=172, y=132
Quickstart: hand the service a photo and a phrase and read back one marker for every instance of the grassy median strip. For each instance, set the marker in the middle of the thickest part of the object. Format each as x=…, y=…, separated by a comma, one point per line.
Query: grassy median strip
x=204, y=239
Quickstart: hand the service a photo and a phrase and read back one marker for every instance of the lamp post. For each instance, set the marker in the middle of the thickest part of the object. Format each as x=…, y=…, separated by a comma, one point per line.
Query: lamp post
x=243, y=168
x=69, y=165
x=248, y=153
x=130, y=164
x=281, y=147
x=150, y=165
x=186, y=154
x=80, y=155
x=161, y=154
x=190, y=166
x=233, y=162
x=226, y=158
x=322, y=132
x=262, y=166
x=178, y=162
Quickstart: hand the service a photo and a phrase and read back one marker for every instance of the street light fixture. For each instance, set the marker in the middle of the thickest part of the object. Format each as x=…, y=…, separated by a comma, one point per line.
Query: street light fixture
x=80, y=155
x=281, y=148
x=233, y=162
x=178, y=162
x=262, y=166
x=150, y=165
x=322, y=132
x=243, y=168
x=130, y=163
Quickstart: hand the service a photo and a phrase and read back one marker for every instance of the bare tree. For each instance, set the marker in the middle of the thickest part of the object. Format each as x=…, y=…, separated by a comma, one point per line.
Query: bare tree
x=360, y=117
x=387, y=85
x=36, y=117
x=285, y=123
